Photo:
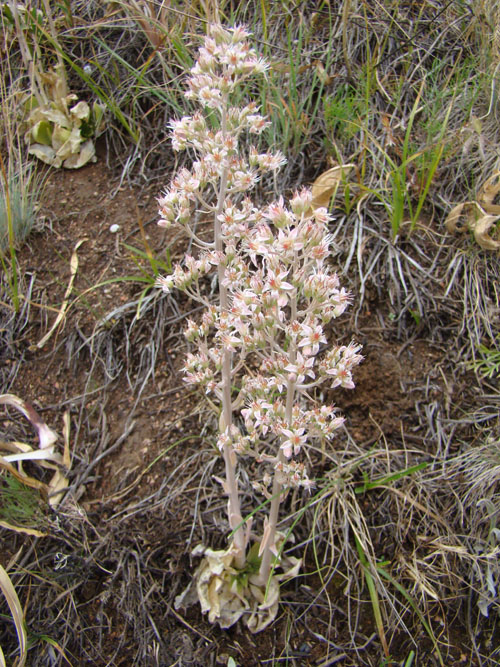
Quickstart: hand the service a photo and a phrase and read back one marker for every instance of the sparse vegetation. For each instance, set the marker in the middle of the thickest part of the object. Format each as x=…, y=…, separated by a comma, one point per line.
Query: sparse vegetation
x=397, y=104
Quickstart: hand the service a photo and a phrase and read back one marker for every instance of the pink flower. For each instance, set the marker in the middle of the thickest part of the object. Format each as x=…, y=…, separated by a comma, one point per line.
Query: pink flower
x=301, y=368
x=288, y=241
x=292, y=330
x=256, y=65
x=311, y=338
x=165, y=283
x=257, y=123
x=238, y=33
x=211, y=97
x=242, y=180
x=266, y=161
x=294, y=441
x=341, y=376
x=278, y=214
x=322, y=216
x=191, y=332
x=275, y=283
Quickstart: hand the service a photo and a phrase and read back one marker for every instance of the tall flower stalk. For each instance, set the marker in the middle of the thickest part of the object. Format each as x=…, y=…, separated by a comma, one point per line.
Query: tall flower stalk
x=262, y=348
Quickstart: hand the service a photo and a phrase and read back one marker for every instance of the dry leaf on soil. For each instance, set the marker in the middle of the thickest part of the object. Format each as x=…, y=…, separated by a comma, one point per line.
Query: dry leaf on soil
x=480, y=216
x=46, y=455
x=326, y=185
x=65, y=303
x=16, y=611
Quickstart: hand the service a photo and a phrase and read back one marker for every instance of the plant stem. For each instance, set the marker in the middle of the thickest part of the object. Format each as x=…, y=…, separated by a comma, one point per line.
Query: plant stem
x=234, y=509
x=265, y=566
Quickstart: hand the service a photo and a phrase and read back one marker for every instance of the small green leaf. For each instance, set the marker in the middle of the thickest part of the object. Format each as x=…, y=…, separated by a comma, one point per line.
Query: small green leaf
x=98, y=117
x=61, y=137
x=42, y=133
x=253, y=559
x=416, y=316
x=30, y=104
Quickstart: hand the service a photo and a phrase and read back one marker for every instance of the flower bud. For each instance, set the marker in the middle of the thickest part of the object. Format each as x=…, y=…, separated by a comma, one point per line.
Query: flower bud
x=301, y=202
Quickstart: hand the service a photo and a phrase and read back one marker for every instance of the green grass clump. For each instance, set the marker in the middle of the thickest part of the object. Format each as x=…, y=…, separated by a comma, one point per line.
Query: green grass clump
x=20, y=505
x=19, y=195
x=489, y=364
x=342, y=111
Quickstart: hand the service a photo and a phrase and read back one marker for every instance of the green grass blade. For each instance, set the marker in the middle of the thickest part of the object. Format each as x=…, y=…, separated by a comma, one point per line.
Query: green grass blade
x=370, y=582
x=387, y=479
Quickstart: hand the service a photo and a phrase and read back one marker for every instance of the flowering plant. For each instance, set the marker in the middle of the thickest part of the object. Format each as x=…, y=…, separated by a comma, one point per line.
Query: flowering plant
x=262, y=348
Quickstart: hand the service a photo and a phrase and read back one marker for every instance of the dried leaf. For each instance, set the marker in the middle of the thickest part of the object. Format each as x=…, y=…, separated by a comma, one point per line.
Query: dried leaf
x=19, y=529
x=215, y=590
x=488, y=192
x=46, y=154
x=15, y=447
x=41, y=455
x=60, y=315
x=453, y=217
x=46, y=436
x=51, y=113
x=67, y=143
x=81, y=111
x=227, y=598
x=55, y=80
x=86, y=154
x=293, y=570
x=267, y=611
x=323, y=75
x=66, y=434
x=54, y=127
x=281, y=67
x=325, y=186
x=17, y=614
x=57, y=486
x=480, y=216
x=480, y=230
x=25, y=479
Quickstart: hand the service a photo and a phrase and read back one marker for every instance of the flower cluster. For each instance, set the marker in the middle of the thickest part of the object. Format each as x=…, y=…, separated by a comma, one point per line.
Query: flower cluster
x=223, y=64
x=281, y=294
x=263, y=348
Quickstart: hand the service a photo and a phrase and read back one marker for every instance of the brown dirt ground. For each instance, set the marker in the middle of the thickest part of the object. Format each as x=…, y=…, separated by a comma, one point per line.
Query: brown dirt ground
x=124, y=566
